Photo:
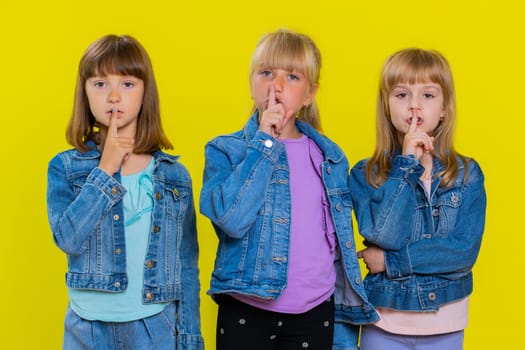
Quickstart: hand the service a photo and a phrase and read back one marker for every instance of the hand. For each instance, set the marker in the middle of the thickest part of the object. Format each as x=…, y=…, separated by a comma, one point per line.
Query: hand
x=416, y=142
x=116, y=148
x=374, y=258
x=274, y=118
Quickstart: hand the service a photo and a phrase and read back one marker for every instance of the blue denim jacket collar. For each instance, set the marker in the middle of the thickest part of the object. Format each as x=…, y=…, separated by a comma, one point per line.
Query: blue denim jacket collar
x=94, y=153
x=331, y=151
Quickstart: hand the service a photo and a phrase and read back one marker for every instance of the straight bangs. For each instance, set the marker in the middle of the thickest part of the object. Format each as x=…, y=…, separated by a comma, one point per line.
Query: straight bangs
x=116, y=55
x=288, y=51
x=416, y=67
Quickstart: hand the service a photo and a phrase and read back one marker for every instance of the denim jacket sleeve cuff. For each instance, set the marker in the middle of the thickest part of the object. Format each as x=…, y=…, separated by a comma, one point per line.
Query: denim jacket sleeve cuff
x=267, y=145
x=107, y=184
x=398, y=263
x=407, y=167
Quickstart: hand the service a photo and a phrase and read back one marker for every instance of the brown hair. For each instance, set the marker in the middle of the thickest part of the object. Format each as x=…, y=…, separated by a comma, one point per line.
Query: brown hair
x=291, y=51
x=412, y=66
x=121, y=55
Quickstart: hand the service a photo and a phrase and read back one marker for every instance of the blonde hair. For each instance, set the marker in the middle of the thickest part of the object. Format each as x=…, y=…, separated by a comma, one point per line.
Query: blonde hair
x=288, y=50
x=411, y=66
x=121, y=55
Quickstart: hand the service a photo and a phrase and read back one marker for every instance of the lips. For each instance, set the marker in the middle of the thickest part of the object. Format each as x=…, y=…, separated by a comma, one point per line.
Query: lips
x=110, y=112
x=419, y=120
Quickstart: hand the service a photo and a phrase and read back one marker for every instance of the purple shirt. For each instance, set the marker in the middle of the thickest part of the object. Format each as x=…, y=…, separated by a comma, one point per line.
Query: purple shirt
x=311, y=272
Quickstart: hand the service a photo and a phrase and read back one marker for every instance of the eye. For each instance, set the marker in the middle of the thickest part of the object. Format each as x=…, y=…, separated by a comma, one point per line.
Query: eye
x=401, y=95
x=99, y=84
x=265, y=73
x=293, y=76
x=428, y=95
x=129, y=84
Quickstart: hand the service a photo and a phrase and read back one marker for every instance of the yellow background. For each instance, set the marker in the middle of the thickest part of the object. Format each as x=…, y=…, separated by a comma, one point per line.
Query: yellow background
x=200, y=52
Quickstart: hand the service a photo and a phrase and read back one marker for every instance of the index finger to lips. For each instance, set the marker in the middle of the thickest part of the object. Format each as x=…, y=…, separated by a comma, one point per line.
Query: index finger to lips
x=413, y=123
x=113, y=130
x=271, y=98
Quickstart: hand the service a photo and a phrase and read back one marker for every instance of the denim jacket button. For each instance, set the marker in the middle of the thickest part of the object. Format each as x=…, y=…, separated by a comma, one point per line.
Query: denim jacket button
x=149, y=296
x=329, y=170
x=431, y=296
x=338, y=207
x=114, y=190
x=117, y=284
x=435, y=212
x=268, y=143
x=118, y=251
x=158, y=195
x=150, y=264
x=116, y=217
x=156, y=229
x=348, y=244
x=357, y=280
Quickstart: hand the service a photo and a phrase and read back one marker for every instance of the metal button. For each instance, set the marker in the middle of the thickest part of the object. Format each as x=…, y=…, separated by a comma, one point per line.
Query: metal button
x=116, y=217
x=338, y=207
x=176, y=192
x=158, y=195
x=118, y=251
x=329, y=170
x=156, y=229
x=268, y=143
x=149, y=296
x=115, y=190
x=348, y=244
x=431, y=296
x=117, y=284
x=150, y=264
x=435, y=212
x=358, y=280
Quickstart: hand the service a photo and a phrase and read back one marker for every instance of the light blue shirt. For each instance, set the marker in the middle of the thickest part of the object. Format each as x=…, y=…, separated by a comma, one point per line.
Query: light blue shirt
x=127, y=305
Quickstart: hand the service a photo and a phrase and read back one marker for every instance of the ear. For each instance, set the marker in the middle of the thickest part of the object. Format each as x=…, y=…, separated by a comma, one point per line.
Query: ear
x=442, y=114
x=310, y=95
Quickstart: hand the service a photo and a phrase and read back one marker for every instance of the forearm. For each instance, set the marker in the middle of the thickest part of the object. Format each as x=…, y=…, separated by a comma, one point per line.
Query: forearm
x=73, y=217
x=232, y=194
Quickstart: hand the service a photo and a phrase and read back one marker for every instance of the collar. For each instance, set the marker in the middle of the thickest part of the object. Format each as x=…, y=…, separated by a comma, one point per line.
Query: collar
x=331, y=151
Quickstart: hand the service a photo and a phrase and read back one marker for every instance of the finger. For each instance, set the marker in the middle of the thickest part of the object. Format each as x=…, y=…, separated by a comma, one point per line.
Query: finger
x=413, y=123
x=271, y=98
x=113, y=129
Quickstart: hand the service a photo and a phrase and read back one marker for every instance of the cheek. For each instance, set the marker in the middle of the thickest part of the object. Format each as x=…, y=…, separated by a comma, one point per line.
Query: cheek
x=259, y=95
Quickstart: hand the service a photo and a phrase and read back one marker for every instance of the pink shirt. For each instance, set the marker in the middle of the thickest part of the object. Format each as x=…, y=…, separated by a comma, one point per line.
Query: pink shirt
x=311, y=272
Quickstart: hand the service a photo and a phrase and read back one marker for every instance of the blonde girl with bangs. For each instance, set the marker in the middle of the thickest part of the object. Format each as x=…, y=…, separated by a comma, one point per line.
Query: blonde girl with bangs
x=286, y=272
x=420, y=207
x=122, y=211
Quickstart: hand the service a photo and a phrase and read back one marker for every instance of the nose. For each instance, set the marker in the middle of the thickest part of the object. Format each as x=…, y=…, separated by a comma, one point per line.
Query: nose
x=113, y=96
x=415, y=105
x=278, y=83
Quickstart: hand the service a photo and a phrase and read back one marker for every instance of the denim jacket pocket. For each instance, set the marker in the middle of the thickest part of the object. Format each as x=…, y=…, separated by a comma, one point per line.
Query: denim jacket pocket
x=445, y=211
x=180, y=194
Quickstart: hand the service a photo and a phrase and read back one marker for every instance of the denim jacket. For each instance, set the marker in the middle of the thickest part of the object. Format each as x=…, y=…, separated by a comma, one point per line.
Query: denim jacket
x=85, y=213
x=431, y=244
x=247, y=197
